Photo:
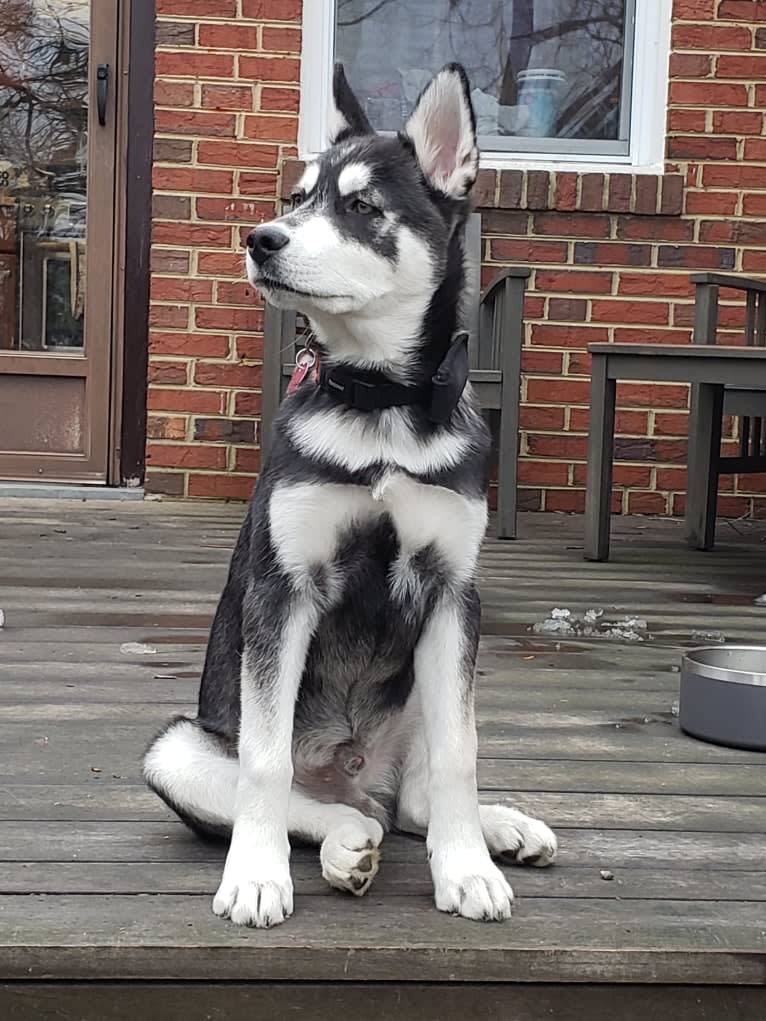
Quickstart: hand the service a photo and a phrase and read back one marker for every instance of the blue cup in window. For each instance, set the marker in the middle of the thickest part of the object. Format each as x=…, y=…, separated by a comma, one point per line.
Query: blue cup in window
x=540, y=91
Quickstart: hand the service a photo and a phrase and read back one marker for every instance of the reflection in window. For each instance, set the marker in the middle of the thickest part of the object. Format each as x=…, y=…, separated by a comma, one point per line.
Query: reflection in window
x=43, y=171
x=539, y=69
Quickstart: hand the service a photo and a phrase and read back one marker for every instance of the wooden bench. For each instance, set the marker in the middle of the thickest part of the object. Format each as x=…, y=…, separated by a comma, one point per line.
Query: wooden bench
x=495, y=321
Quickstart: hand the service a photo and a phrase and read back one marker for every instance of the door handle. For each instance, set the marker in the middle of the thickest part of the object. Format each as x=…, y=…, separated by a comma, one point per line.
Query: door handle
x=102, y=84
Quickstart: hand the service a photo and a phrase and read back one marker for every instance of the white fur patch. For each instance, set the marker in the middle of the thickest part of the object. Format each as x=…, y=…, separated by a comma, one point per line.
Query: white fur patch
x=353, y=177
x=336, y=123
x=308, y=179
x=352, y=441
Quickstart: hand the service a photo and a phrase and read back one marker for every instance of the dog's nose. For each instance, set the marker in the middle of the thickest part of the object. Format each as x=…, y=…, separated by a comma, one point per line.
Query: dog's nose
x=264, y=241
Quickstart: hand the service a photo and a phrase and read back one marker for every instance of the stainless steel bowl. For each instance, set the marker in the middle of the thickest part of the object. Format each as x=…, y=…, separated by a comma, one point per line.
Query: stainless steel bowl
x=723, y=695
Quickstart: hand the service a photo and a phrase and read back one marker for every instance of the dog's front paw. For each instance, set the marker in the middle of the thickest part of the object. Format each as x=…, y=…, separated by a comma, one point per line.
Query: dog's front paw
x=350, y=857
x=515, y=837
x=471, y=885
x=260, y=900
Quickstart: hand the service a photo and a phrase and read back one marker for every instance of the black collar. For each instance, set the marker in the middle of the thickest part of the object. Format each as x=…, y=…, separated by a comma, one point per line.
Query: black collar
x=372, y=391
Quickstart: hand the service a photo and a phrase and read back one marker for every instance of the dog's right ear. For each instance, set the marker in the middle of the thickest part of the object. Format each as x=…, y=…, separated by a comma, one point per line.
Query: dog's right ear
x=347, y=118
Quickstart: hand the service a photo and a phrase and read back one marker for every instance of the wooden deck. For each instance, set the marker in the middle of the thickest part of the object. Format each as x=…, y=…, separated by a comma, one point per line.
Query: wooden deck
x=105, y=898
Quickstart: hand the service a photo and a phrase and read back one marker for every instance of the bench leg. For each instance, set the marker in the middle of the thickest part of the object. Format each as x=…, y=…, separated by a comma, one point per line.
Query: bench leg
x=598, y=494
x=704, y=455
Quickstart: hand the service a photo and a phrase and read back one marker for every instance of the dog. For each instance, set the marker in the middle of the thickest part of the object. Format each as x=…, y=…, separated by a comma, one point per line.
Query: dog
x=336, y=700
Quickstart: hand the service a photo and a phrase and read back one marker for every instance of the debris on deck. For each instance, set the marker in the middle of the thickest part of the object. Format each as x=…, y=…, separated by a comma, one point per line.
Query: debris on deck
x=593, y=623
x=137, y=649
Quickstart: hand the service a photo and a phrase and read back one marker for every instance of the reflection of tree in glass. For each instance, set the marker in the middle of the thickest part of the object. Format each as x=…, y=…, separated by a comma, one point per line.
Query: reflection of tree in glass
x=43, y=92
x=497, y=39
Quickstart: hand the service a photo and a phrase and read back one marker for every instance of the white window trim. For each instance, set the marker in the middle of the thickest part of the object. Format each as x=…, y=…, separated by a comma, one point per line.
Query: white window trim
x=648, y=96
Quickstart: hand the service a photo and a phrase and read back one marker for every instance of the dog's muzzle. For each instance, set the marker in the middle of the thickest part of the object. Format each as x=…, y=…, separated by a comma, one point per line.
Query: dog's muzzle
x=264, y=241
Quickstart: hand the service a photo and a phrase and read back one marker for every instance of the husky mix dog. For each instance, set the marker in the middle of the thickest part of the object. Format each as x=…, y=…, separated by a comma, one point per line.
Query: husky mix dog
x=337, y=695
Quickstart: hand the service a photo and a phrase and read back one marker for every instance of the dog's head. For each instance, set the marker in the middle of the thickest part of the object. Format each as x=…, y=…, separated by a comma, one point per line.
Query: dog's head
x=374, y=231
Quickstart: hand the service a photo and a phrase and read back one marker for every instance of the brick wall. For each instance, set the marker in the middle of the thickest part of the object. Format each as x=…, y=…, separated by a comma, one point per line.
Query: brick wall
x=611, y=253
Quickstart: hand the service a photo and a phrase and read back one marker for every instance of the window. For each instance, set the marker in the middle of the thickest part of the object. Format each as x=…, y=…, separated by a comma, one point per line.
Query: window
x=572, y=81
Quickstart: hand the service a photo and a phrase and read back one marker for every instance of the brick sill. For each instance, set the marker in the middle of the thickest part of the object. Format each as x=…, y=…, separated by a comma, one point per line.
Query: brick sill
x=562, y=191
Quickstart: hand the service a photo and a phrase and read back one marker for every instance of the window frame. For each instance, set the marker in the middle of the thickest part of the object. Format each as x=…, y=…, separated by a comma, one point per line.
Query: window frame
x=647, y=89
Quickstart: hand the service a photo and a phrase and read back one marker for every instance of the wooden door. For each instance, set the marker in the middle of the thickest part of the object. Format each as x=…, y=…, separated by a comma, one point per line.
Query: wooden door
x=57, y=184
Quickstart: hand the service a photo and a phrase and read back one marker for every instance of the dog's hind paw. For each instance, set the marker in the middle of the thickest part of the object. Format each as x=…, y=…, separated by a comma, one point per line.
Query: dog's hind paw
x=350, y=857
x=517, y=838
x=261, y=904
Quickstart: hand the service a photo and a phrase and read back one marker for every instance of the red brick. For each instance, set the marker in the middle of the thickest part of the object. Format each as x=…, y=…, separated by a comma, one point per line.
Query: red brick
x=238, y=154
x=527, y=250
x=247, y=403
x=541, y=418
x=538, y=186
x=227, y=97
x=166, y=427
x=646, y=187
x=733, y=506
x=702, y=147
x=687, y=120
x=198, y=8
x=209, y=402
x=226, y=318
x=239, y=293
x=224, y=430
x=282, y=40
x=693, y=10
x=234, y=36
x=281, y=100
x=168, y=483
x=654, y=228
x=168, y=372
x=225, y=264
x=543, y=473
x=541, y=361
x=650, y=335
x=749, y=67
x=169, y=260
x=605, y=311
x=671, y=478
x=738, y=122
x=648, y=284
x=272, y=10
x=695, y=257
x=666, y=424
x=568, y=309
x=737, y=232
x=712, y=38
x=585, y=225
x=247, y=211
x=533, y=305
x=194, y=122
x=690, y=65
x=247, y=459
x=570, y=501
x=706, y=93
x=185, y=455
x=573, y=282
x=192, y=235
x=620, y=193
x=271, y=128
x=194, y=179
x=171, y=316
x=181, y=289
x=192, y=345
x=565, y=195
x=221, y=487
x=558, y=391
x=547, y=445
x=714, y=203
x=549, y=335
x=257, y=184
x=227, y=374
x=646, y=503
x=755, y=149
x=250, y=346
x=608, y=253
x=653, y=395
x=632, y=475
x=193, y=64
x=178, y=94
x=270, y=69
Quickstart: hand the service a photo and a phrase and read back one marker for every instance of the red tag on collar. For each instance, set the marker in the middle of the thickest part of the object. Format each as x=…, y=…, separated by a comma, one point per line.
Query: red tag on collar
x=304, y=363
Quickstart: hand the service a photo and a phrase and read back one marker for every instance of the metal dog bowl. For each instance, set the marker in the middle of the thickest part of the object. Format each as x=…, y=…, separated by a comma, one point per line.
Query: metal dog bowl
x=723, y=695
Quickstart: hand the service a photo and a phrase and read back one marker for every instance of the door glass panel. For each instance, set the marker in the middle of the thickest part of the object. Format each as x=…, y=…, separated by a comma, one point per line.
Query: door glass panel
x=43, y=167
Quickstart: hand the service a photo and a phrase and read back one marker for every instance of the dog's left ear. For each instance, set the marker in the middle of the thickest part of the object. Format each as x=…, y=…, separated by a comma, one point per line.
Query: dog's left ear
x=347, y=118
x=442, y=128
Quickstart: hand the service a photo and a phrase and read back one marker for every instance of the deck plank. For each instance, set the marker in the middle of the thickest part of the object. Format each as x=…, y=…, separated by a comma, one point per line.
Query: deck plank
x=99, y=881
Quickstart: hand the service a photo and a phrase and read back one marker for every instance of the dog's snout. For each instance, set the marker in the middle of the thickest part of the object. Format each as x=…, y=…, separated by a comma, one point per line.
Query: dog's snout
x=264, y=241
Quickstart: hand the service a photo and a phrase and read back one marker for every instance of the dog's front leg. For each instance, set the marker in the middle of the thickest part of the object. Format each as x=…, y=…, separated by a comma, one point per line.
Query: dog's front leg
x=466, y=881
x=256, y=888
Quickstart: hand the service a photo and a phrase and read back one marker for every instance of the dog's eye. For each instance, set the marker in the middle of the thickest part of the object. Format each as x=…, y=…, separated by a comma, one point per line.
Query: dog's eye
x=297, y=198
x=363, y=208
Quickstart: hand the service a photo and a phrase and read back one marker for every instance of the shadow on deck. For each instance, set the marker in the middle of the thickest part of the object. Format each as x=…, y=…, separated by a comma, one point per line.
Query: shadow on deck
x=105, y=898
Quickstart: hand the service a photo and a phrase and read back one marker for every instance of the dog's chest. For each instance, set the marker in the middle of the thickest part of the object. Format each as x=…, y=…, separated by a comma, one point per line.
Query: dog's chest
x=313, y=523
